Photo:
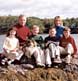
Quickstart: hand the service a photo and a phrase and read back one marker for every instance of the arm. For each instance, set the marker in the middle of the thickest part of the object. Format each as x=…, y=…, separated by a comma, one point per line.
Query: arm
x=5, y=46
x=74, y=46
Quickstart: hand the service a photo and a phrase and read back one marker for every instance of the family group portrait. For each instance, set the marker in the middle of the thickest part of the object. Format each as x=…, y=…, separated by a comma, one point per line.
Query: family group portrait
x=38, y=42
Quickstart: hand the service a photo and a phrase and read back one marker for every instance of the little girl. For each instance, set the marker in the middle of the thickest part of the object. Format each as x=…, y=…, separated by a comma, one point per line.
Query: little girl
x=11, y=47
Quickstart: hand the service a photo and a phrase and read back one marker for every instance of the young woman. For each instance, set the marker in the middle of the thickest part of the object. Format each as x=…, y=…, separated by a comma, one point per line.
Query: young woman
x=58, y=24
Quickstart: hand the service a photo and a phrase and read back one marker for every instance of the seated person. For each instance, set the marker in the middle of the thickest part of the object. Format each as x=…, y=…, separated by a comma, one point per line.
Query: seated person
x=67, y=45
x=11, y=47
x=39, y=40
x=52, y=47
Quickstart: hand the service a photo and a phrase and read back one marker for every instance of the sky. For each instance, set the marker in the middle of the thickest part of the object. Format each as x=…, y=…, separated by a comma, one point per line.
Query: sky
x=40, y=8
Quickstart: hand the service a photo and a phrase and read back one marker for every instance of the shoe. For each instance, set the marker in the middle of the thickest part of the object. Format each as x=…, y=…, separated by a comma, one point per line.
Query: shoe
x=40, y=65
x=3, y=62
x=48, y=66
x=57, y=60
x=68, y=59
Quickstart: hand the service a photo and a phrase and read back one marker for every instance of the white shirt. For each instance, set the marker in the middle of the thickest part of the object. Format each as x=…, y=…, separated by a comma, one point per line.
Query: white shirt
x=10, y=43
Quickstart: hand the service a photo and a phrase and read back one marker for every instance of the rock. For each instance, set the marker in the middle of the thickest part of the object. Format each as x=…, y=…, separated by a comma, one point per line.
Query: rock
x=39, y=74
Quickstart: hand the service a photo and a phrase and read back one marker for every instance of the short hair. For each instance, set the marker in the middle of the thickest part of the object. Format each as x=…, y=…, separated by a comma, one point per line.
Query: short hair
x=57, y=17
x=67, y=29
x=35, y=26
x=21, y=16
x=52, y=27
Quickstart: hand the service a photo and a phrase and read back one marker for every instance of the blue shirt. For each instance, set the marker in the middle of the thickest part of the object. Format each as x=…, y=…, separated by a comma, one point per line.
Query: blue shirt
x=59, y=31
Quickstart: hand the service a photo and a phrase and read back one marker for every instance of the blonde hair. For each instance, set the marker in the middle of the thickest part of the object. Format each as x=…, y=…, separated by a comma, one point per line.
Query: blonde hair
x=21, y=16
x=58, y=17
x=35, y=26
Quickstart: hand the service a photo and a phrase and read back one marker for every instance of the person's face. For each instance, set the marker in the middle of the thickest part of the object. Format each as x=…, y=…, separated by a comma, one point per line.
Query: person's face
x=12, y=32
x=52, y=32
x=58, y=22
x=66, y=34
x=35, y=31
x=22, y=20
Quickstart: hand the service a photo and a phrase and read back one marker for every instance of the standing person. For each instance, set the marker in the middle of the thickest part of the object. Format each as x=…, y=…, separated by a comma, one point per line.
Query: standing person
x=22, y=30
x=58, y=24
x=68, y=45
x=11, y=47
x=52, y=47
x=39, y=40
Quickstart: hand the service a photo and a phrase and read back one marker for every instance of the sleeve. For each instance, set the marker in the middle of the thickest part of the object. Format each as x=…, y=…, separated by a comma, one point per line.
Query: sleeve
x=29, y=33
x=41, y=42
x=74, y=45
x=17, y=47
x=45, y=41
x=5, y=45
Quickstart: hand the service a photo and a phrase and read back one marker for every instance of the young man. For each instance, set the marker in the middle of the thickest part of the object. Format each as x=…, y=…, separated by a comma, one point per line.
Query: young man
x=52, y=47
x=67, y=44
x=22, y=30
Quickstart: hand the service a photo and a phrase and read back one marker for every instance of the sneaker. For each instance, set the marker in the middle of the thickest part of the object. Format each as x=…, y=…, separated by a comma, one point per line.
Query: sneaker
x=68, y=59
x=3, y=62
x=10, y=62
x=57, y=60
x=40, y=65
x=48, y=65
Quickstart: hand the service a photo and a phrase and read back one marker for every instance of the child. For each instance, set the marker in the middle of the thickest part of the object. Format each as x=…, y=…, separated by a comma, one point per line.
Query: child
x=52, y=47
x=11, y=47
x=35, y=35
x=68, y=45
x=39, y=40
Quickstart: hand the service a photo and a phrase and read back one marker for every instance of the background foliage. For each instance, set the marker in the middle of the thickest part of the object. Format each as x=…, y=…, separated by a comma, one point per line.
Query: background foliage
x=8, y=21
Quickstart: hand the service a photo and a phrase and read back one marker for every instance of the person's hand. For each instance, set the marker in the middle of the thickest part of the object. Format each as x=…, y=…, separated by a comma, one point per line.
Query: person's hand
x=75, y=56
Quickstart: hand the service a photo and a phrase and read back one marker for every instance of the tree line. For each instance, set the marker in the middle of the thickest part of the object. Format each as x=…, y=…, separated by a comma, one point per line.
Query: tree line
x=8, y=21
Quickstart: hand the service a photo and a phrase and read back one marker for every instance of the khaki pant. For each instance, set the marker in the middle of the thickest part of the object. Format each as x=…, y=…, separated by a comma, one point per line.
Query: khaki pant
x=14, y=55
x=68, y=50
x=37, y=52
x=48, y=56
x=51, y=52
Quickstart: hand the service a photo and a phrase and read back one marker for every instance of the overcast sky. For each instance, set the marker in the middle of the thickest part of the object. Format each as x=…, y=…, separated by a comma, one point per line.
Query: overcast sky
x=40, y=8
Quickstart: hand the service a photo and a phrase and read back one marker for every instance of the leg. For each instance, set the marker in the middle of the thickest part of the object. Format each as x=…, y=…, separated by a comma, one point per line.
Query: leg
x=52, y=49
x=48, y=57
x=69, y=50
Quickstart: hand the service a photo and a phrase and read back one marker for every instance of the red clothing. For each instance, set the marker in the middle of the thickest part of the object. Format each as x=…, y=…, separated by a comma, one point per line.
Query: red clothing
x=64, y=42
x=22, y=33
